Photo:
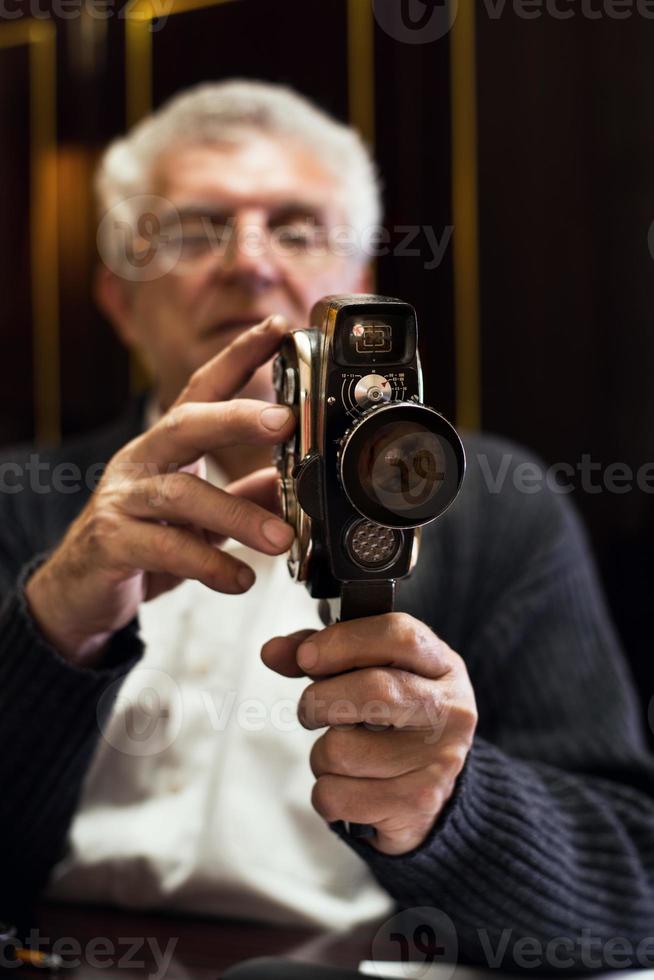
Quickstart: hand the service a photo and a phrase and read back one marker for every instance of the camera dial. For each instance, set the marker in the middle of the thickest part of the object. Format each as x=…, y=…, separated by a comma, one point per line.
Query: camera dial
x=372, y=390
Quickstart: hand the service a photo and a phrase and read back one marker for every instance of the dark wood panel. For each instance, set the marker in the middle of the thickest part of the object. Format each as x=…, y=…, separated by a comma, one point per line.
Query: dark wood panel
x=16, y=391
x=94, y=365
x=566, y=151
x=413, y=150
x=90, y=83
x=291, y=42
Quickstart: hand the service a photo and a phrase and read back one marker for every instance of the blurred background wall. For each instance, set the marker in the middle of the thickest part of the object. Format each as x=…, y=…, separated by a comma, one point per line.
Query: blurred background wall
x=517, y=149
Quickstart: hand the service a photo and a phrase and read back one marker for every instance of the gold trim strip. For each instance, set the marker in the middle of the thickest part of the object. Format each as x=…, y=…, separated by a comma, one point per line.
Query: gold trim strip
x=361, y=67
x=138, y=66
x=465, y=211
x=138, y=89
x=40, y=35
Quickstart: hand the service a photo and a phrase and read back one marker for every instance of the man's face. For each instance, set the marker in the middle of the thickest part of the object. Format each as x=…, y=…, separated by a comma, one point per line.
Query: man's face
x=253, y=219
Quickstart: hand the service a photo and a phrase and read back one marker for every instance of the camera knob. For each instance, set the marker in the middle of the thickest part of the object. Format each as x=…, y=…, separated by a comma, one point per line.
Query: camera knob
x=289, y=386
x=287, y=501
x=278, y=374
x=372, y=390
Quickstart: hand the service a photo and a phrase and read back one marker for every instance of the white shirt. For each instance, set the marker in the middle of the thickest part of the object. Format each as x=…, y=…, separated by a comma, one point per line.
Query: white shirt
x=198, y=798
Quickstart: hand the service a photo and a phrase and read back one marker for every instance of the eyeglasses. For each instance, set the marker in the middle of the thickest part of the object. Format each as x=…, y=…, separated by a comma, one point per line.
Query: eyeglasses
x=191, y=240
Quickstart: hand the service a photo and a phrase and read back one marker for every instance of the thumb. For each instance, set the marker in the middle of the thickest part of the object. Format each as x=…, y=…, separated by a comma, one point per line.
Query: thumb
x=279, y=653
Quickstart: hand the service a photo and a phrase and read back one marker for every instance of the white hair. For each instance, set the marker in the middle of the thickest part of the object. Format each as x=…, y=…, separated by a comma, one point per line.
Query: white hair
x=229, y=111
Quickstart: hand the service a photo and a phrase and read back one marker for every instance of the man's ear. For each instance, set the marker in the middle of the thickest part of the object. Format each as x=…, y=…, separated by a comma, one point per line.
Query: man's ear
x=114, y=296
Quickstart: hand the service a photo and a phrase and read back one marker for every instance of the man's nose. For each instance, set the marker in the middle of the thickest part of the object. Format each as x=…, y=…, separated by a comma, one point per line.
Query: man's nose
x=249, y=259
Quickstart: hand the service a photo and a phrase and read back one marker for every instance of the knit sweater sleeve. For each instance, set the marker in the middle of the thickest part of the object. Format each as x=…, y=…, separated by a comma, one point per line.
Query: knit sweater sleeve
x=50, y=722
x=544, y=856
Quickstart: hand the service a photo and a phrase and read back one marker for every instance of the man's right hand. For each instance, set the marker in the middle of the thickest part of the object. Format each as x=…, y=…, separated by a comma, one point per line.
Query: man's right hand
x=150, y=524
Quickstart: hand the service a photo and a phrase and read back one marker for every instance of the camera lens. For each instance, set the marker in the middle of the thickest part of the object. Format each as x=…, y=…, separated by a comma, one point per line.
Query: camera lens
x=402, y=465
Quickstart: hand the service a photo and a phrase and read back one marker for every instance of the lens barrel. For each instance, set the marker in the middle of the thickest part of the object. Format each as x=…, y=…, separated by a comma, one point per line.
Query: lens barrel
x=401, y=465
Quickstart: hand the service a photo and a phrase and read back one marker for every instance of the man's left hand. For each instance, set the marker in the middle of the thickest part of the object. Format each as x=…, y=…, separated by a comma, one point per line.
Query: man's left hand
x=394, y=674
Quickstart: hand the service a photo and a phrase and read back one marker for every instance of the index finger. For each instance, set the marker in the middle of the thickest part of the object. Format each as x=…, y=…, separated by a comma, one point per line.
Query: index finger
x=226, y=373
x=392, y=640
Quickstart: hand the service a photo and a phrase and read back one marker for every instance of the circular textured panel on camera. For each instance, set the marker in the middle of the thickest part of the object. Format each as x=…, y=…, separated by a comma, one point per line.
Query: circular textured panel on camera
x=372, y=545
x=401, y=465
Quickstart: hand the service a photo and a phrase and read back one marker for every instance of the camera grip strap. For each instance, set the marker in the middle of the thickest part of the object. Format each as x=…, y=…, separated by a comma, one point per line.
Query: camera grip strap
x=360, y=599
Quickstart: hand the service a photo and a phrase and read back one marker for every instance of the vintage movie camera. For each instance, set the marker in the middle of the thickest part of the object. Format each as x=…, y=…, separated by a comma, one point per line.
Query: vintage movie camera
x=368, y=463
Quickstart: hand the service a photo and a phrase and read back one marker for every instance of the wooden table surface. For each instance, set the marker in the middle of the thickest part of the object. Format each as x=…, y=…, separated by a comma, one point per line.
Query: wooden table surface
x=121, y=943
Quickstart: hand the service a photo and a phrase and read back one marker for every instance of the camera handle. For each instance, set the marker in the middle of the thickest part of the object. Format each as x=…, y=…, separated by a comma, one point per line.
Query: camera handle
x=360, y=599
x=357, y=600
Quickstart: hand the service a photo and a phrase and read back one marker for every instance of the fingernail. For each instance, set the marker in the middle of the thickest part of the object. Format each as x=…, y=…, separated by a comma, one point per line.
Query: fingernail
x=245, y=577
x=276, y=321
x=279, y=534
x=307, y=656
x=275, y=418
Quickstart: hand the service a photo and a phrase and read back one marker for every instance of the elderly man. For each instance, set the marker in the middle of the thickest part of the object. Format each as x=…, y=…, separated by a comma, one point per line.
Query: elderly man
x=152, y=758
